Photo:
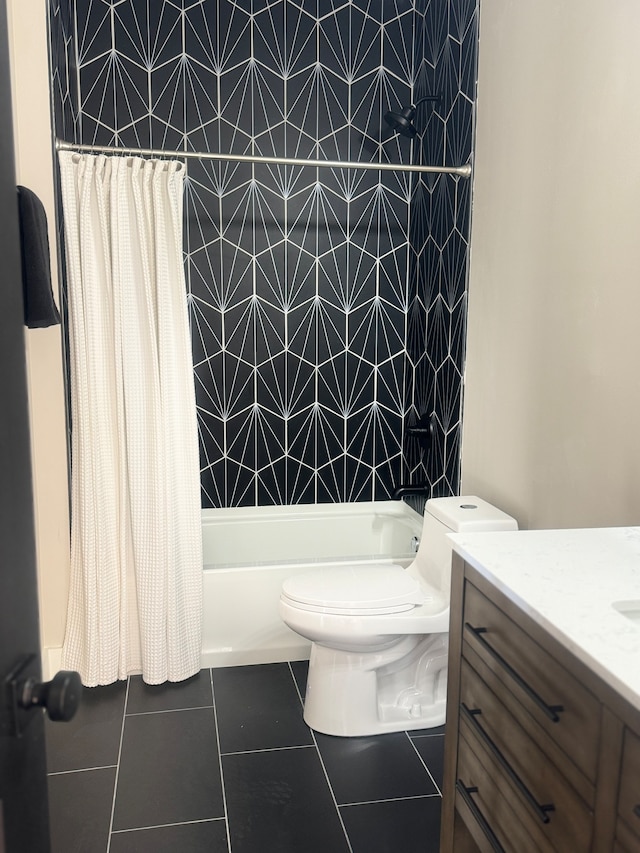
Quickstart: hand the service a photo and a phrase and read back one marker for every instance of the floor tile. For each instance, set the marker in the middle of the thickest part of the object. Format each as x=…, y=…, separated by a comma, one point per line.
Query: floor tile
x=300, y=669
x=195, y=692
x=204, y=837
x=258, y=707
x=92, y=737
x=431, y=750
x=362, y=769
x=279, y=802
x=80, y=810
x=437, y=730
x=169, y=770
x=410, y=826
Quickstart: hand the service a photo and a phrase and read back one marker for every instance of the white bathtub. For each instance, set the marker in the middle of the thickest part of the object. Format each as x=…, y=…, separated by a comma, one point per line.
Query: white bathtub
x=249, y=552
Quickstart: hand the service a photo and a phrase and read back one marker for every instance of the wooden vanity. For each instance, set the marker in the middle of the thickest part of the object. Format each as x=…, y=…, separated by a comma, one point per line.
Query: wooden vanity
x=542, y=751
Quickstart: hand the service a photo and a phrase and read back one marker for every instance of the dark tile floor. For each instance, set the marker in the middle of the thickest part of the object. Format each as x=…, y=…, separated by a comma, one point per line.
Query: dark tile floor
x=224, y=763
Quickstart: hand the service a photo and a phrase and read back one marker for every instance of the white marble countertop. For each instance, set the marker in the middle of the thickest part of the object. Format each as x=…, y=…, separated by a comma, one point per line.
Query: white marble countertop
x=567, y=581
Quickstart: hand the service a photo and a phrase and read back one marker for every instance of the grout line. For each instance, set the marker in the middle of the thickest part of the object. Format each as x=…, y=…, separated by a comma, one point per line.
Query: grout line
x=333, y=796
x=390, y=800
x=168, y=710
x=324, y=769
x=162, y=825
x=424, y=764
x=82, y=769
x=115, y=781
x=224, y=792
x=295, y=683
x=270, y=749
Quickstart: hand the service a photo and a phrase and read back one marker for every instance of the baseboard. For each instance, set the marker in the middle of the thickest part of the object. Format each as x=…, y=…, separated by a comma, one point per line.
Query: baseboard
x=52, y=657
x=51, y=661
x=247, y=657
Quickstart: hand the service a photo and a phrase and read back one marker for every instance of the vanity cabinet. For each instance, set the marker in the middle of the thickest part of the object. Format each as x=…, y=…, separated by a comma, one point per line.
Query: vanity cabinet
x=628, y=822
x=540, y=753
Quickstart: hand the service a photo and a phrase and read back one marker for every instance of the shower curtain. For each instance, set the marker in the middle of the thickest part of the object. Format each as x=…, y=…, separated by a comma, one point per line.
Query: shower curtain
x=135, y=600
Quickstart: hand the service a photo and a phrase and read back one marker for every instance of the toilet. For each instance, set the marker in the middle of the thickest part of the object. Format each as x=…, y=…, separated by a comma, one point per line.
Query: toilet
x=380, y=633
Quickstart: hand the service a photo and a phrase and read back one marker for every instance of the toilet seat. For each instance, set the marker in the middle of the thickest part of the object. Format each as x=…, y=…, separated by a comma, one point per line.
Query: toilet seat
x=360, y=590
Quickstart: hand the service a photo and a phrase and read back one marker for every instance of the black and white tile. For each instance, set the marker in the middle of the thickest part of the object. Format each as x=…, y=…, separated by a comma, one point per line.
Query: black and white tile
x=327, y=306
x=224, y=762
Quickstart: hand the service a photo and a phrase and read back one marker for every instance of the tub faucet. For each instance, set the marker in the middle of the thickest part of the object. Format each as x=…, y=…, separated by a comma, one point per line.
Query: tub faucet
x=408, y=489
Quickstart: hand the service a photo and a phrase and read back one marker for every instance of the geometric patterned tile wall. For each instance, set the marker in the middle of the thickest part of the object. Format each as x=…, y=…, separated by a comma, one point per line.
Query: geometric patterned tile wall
x=445, y=46
x=305, y=284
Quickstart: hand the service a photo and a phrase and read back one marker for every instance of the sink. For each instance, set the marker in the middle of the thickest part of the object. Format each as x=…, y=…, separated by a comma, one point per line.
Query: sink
x=630, y=609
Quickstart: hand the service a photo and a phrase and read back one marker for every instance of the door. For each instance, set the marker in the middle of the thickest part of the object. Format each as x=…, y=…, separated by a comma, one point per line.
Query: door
x=23, y=781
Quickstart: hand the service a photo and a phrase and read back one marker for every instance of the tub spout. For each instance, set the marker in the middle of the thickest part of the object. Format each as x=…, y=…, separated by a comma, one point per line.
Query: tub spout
x=416, y=489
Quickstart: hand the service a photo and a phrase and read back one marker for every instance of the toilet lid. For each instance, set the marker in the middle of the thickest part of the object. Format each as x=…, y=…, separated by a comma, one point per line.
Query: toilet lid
x=384, y=589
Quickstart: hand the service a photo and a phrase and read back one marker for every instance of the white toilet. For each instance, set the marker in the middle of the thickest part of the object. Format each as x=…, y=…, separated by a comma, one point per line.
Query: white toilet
x=380, y=633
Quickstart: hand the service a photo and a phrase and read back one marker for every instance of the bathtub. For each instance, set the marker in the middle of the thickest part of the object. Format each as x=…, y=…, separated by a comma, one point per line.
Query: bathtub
x=248, y=552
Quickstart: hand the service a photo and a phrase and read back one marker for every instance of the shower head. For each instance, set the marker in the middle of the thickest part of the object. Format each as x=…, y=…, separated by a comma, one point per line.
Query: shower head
x=402, y=122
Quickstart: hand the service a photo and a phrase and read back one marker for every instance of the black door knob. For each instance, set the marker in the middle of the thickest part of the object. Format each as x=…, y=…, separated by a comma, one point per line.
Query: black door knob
x=60, y=696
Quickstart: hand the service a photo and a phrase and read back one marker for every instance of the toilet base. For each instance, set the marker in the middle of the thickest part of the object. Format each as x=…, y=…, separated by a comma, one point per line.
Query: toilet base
x=401, y=688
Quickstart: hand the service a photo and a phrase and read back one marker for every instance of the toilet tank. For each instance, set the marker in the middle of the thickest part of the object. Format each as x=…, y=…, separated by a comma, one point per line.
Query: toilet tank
x=465, y=514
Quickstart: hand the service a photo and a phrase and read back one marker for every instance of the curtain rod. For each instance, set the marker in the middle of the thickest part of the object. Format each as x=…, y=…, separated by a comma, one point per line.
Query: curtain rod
x=461, y=171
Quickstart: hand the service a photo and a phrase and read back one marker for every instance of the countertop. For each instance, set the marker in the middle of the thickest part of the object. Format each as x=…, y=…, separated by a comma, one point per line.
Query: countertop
x=567, y=581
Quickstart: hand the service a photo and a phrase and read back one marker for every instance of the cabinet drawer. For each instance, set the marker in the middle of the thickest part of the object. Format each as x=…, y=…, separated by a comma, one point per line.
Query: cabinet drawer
x=485, y=798
x=629, y=791
x=567, y=712
x=564, y=818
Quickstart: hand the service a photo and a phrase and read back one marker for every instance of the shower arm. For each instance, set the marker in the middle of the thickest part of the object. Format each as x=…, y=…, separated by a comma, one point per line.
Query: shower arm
x=432, y=98
x=460, y=171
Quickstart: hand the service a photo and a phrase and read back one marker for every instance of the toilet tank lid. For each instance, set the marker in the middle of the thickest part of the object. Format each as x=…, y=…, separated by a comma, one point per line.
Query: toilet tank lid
x=469, y=514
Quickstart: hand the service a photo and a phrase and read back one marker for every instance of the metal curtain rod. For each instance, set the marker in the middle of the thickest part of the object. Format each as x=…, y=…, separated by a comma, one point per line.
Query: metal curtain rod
x=461, y=171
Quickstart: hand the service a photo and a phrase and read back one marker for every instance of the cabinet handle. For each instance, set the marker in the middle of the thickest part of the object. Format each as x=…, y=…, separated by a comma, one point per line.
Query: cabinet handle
x=465, y=793
x=550, y=711
x=636, y=810
x=534, y=805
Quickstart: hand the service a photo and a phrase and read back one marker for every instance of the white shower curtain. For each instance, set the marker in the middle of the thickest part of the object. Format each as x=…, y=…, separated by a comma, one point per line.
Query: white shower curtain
x=135, y=601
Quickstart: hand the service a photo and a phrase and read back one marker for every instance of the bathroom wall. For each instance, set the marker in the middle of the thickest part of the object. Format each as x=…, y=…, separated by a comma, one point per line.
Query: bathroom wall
x=327, y=306
x=552, y=398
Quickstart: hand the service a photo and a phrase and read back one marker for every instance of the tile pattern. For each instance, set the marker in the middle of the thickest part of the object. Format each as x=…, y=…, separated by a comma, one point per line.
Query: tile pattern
x=327, y=306
x=225, y=762
x=62, y=59
x=445, y=46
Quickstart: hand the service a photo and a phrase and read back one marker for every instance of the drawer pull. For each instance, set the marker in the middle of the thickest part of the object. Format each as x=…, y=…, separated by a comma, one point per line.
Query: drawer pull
x=636, y=810
x=550, y=711
x=465, y=793
x=540, y=811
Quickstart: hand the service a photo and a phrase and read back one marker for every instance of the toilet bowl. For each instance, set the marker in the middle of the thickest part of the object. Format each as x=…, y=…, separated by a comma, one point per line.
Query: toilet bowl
x=379, y=634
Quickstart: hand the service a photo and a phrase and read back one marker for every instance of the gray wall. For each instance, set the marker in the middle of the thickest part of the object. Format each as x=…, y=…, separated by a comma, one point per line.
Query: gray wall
x=552, y=399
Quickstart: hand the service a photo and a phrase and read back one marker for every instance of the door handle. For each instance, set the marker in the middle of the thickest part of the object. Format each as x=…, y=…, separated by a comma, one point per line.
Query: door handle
x=60, y=697
x=23, y=692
